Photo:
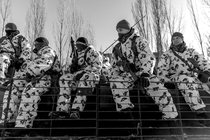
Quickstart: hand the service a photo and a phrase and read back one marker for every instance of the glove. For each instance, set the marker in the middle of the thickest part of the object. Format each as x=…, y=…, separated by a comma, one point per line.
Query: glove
x=170, y=85
x=19, y=63
x=204, y=76
x=79, y=76
x=29, y=77
x=144, y=80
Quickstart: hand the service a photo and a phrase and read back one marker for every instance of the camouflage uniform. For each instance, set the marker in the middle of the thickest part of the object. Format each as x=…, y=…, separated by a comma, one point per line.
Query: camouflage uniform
x=90, y=68
x=30, y=96
x=19, y=74
x=122, y=82
x=105, y=71
x=172, y=69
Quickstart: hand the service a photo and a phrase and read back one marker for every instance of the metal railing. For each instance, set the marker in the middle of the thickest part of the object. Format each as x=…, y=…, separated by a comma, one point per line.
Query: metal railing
x=100, y=120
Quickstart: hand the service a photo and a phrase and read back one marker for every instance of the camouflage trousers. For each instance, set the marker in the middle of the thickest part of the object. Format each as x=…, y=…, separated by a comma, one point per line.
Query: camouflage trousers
x=24, y=104
x=189, y=89
x=4, y=64
x=67, y=83
x=14, y=101
x=121, y=85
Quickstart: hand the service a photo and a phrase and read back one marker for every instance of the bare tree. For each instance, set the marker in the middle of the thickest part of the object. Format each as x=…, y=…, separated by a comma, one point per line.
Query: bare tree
x=71, y=22
x=139, y=10
x=159, y=24
x=61, y=33
x=195, y=22
x=5, y=11
x=35, y=20
x=174, y=21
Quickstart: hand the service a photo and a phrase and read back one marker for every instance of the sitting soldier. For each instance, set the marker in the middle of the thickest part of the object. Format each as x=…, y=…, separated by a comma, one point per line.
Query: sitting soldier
x=180, y=64
x=14, y=50
x=84, y=74
x=38, y=81
x=133, y=62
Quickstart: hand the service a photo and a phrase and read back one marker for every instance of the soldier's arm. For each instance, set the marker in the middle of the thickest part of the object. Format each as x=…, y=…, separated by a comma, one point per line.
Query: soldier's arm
x=164, y=67
x=26, y=50
x=41, y=64
x=94, y=61
x=203, y=63
x=146, y=57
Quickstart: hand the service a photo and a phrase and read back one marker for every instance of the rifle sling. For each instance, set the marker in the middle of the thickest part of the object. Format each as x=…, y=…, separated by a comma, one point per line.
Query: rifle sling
x=182, y=59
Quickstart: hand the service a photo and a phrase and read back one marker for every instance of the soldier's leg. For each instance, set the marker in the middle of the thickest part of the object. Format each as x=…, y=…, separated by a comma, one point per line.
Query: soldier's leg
x=29, y=102
x=120, y=87
x=189, y=89
x=86, y=84
x=65, y=83
x=162, y=98
x=14, y=101
x=120, y=90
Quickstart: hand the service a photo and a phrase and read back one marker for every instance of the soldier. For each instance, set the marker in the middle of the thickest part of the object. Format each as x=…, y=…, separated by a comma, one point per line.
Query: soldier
x=38, y=76
x=86, y=74
x=135, y=52
x=14, y=50
x=178, y=65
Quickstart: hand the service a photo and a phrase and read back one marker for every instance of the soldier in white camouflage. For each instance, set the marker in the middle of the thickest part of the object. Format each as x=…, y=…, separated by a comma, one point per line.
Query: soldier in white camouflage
x=15, y=52
x=84, y=78
x=138, y=56
x=38, y=81
x=177, y=65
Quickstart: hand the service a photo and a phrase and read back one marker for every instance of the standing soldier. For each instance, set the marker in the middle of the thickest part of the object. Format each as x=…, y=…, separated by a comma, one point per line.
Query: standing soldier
x=15, y=52
x=133, y=51
x=38, y=76
x=85, y=71
x=178, y=65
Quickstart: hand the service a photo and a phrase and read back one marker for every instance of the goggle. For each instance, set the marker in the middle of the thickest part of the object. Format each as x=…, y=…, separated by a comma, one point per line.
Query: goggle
x=81, y=43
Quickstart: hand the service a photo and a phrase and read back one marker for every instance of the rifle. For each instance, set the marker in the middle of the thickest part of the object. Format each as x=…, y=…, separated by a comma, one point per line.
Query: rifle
x=74, y=55
x=125, y=63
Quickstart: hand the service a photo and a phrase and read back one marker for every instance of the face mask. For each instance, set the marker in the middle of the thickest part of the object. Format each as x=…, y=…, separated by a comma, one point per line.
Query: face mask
x=80, y=47
x=120, y=35
x=9, y=32
x=38, y=46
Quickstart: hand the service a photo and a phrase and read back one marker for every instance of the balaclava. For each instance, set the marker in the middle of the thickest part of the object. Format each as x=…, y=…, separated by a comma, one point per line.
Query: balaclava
x=11, y=30
x=39, y=43
x=124, y=24
x=81, y=43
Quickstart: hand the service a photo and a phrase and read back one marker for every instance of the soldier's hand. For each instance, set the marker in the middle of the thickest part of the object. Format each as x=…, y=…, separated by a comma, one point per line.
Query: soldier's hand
x=204, y=76
x=144, y=80
x=28, y=77
x=19, y=63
